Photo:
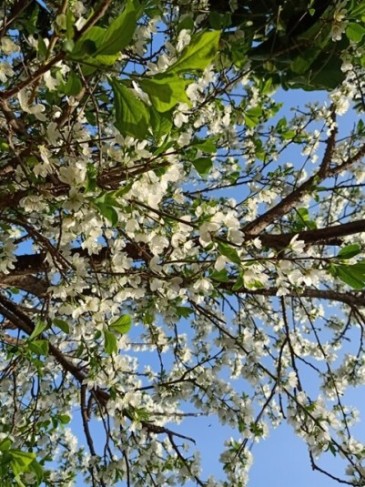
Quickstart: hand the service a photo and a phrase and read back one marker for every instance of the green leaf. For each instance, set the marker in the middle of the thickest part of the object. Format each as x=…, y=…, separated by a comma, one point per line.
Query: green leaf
x=303, y=220
x=64, y=418
x=199, y=54
x=100, y=46
x=203, y=165
x=300, y=64
x=220, y=276
x=122, y=325
x=206, y=145
x=108, y=212
x=253, y=116
x=161, y=124
x=88, y=44
x=132, y=115
x=110, y=342
x=183, y=311
x=21, y=461
x=349, y=251
x=355, y=32
x=229, y=252
x=39, y=328
x=62, y=325
x=120, y=32
x=5, y=444
x=73, y=85
x=39, y=347
x=357, y=11
x=165, y=91
x=353, y=275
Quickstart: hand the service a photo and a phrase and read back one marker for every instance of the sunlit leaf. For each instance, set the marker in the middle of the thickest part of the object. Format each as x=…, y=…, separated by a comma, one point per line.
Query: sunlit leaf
x=39, y=328
x=199, y=54
x=229, y=252
x=122, y=325
x=110, y=342
x=165, y=91
x=131, y=114
x=349, y=251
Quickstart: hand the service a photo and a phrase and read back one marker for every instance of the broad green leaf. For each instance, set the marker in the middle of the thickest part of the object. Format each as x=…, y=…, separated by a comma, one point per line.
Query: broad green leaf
x=239, y=284
x=39, y=347
x=73, y=85
x=120, y=32
x=203, y=165
x=64, y=418
x=122, y=325
x=110, y=342
x=165, y=91
x=325, y=73
x=21, y=460
x=161, y=124
x=183, y=311
x=108, y=212
x=252, y=117
x=88, y=43
x=122, y=191
x=100, y=46
x=85, y=50
x=220, y=276
x=5, y=444
x=108, y=198
x=353, y=275
x=62, y=325
x=347, y=275
x=70, y=24
x=229, y=252
x=349, y=251
x=132, y=115
x=355, y=32
x=206, y=145
x=39, y=328
x=199, y=54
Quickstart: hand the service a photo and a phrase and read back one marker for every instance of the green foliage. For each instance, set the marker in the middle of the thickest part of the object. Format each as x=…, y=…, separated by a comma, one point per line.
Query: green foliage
x=101, y=46
x=349, y=251
x=110, y=342
x=131, y=114
x=38, y=329
x=203, y=165
x=229, y=252
x=199, y=54
x=18, y=462
x=353, y=275
x=122, y=325
x=165, y=91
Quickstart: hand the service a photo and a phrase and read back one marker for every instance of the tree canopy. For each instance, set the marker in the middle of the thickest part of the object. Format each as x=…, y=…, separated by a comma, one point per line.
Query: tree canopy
x=175, y=242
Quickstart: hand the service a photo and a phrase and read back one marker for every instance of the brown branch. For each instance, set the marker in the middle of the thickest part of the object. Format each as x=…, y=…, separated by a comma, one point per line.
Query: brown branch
x=30, y=284
x=285, y=205
x=349, y=298
x=324, y=236
x=27, y=265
